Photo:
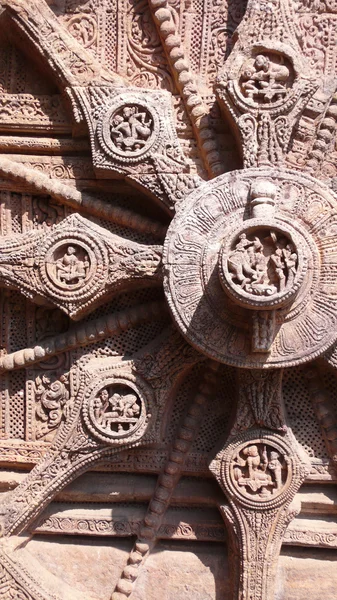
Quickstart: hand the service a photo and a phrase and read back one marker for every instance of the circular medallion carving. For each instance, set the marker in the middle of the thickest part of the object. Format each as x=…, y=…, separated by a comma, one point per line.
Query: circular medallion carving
x=244, y=258
x=266, y=77
x=261, y=266
x=129, y=129
x=117, y=410
x=73, y=265
x=70, y=265
x=259, y=472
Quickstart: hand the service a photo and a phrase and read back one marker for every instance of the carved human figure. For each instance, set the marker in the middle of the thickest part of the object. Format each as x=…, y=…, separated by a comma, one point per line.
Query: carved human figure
x=258, y=470
x=240, y=260
x=129, y=406
x=275, y=466
x=256, y=465
x=118, y=412
x=263, y=265
x=290, y=259
x=131, y=129
x=70, y=269
x=265, y=80
x=100, y=404
x=52, y=403
x=279, y=265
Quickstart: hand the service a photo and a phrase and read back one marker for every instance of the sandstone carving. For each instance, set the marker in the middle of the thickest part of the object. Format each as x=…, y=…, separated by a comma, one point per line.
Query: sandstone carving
x=266, y=79
x=258, y=471
x=168, y=307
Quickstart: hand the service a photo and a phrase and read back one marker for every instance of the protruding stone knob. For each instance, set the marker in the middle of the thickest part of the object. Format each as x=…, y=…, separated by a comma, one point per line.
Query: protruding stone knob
x=263, y=197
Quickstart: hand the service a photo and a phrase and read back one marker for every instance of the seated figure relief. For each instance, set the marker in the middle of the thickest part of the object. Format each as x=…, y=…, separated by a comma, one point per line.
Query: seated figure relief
x=70, y=269
x=265, y=80
x=263, y=265
x=130, y=128
x=259, y=470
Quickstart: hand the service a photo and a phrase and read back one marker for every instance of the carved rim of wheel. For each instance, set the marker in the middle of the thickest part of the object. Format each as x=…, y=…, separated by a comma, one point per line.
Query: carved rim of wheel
x=206, y=316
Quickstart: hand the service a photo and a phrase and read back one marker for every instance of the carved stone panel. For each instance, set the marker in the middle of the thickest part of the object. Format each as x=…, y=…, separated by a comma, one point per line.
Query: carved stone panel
x=168, y=299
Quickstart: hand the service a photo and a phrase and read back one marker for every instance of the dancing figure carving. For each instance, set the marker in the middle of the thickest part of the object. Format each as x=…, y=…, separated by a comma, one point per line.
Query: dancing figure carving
x=131, y=127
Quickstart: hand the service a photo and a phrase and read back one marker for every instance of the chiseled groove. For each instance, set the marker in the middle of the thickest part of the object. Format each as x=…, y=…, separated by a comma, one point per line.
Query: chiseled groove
x=82, y=335
x=195, y=106
x=79, y=201
x=167, y=482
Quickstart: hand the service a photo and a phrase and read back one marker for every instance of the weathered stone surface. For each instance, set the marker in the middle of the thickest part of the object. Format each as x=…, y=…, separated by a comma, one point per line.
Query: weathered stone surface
x=306, y=573
x=168, y=312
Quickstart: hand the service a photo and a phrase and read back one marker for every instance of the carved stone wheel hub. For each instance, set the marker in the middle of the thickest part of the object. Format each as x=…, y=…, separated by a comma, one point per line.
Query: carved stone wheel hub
x=250, y=277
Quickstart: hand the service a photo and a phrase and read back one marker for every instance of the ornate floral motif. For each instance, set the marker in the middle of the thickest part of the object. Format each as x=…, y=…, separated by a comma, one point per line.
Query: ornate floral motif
x=52, y=398
x=39, y=112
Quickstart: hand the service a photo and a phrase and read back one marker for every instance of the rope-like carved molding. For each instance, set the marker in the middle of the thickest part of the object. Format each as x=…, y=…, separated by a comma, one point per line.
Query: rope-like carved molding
x=166, y=483
x=195, y=106
x=82, y=335
x=73, y=198
x=325, y=139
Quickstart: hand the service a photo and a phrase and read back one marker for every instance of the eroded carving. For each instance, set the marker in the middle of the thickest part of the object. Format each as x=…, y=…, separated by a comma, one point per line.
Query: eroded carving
x=120, y=410
x=131, y=128
x=249, y=262
x=272, y=267
x=116, y=410
x=72, y=266
x=259, y=471
x=266, y=78
x=261, y=263
x=52, y=404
